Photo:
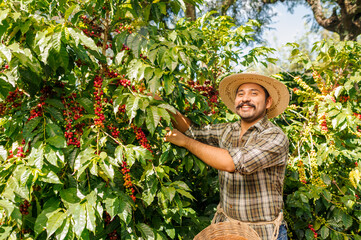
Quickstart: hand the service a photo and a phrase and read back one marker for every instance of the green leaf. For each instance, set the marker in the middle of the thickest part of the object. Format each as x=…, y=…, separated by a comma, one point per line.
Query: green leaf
x=3, y=154
x=347, y=220
x=118, y=153
x=170, y=231
x=152, y=119
x=132, y=107
x=148, y=73
x=79, y=217
x=309, y=235
x=108, y=169
x=152, y=55
x=51, y=177
x=169, y=192
x=164, y=114
x=119, y=206
x=80, y=37
x=5, y=232
x=69, y=11
x=8, y=206
x=185, y=193
x=54, y=113
x=325, y=232
x=62, y=232
x=55, y=220
x=53, y=130
x=146, y=231
x=30, y=126
x=90, y=218
x=168, y=84
x=50, y=155
x=87, y=104
x=57, y=141
x=36, y=156
x=41, y=221
x=5, y=52
x=357, y=237
x=70, y=195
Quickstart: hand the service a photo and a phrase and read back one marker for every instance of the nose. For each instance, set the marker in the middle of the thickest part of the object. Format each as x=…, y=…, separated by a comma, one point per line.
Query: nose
x=246, y=97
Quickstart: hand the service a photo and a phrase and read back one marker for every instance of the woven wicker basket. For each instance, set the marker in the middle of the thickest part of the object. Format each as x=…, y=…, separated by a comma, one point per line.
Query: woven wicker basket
x=228, y=231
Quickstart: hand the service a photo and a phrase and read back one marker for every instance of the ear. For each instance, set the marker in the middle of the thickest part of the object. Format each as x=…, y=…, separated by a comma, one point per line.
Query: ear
x=269, y=102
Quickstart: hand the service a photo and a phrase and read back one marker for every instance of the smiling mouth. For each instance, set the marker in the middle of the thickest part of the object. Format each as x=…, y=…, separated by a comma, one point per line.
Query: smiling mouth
x=247, y=105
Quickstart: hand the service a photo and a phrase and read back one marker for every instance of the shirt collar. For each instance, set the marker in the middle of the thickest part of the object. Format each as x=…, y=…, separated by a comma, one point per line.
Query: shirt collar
x=260, y=125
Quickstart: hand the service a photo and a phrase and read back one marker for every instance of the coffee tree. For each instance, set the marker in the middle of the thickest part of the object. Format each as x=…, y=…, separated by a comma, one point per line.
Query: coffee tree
x=82, y=155
x=322, y=185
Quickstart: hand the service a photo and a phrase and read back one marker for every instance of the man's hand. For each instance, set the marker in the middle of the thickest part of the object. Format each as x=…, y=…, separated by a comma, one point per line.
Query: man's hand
x=176, y=137
x=213, y=156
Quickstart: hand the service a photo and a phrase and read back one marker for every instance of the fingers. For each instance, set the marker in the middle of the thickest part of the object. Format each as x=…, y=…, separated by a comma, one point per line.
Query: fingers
x=168, y=134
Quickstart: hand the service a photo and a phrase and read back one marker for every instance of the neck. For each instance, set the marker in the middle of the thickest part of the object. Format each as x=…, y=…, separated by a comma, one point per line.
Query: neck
x=246, y=125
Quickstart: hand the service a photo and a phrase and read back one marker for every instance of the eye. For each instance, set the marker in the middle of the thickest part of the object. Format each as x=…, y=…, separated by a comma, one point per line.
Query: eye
x=240, y=94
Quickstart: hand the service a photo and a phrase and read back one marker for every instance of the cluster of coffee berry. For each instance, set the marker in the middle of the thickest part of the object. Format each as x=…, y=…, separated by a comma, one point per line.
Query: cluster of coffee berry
x=320, y=83
x=12, y=101
x=92, y=28
x=127, y=180
x=310, y=226
x=73, y=111
x=121, y=80
x=140, y=136
x=38, y=110
x=113, y=130
x=113, y=235
x=301, y=172
x=207, y=90
x=125, y=48
x=344, y=99
x=124, y=27
x=124, y=82
x=107, y=220
x=98, y=106
x=20, y=151
x=323, y=123
x=357, y=115
x=24, y=207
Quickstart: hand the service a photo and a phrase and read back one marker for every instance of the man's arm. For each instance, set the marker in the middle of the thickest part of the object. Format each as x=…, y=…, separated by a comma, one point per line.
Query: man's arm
x=180, y=122
x=213, y=156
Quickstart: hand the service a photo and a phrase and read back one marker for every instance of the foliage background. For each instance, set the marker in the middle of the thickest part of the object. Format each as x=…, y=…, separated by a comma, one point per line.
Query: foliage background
x=81, y=151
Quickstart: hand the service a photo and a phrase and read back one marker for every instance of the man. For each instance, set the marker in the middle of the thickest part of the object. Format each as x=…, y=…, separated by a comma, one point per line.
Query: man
x=250, y=154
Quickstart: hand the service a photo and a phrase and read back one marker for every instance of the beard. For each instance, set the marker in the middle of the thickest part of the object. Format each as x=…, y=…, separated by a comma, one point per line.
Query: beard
x=250, y=117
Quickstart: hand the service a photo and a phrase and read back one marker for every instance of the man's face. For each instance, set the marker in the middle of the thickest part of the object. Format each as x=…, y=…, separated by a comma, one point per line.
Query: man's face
x=251, y=102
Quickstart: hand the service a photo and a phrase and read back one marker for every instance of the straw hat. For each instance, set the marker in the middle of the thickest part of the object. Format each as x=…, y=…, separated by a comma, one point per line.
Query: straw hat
x=277, y=90
x=234, y=230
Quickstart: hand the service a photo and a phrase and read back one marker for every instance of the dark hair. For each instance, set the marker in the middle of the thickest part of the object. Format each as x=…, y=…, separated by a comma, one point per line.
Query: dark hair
x=265, y=92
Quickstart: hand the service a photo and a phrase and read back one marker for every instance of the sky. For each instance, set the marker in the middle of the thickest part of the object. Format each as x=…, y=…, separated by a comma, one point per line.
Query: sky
x=288, y=27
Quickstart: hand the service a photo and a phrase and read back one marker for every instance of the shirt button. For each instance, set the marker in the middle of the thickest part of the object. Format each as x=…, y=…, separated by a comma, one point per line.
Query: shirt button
x=230, y=205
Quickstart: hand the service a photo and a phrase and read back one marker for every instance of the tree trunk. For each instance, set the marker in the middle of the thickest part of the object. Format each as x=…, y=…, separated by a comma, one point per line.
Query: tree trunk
x=225, y=5
x=190, y=11
x=347, y=23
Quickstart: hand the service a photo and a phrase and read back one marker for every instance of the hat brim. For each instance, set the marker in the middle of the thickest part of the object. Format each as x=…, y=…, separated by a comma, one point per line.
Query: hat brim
x=277, y=90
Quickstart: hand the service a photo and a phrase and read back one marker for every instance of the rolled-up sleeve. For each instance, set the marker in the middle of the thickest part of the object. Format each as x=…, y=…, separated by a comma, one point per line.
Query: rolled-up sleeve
x=209, y=134
x=267, y=150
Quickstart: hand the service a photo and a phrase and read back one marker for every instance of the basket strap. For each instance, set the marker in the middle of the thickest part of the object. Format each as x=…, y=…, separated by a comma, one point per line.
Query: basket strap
x=276, y=222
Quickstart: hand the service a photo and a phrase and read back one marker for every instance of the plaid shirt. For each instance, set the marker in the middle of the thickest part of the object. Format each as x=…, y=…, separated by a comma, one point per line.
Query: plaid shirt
x=254, y=191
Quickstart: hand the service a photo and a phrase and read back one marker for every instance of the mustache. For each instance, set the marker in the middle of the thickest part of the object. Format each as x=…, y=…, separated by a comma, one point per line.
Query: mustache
x=243, y=104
